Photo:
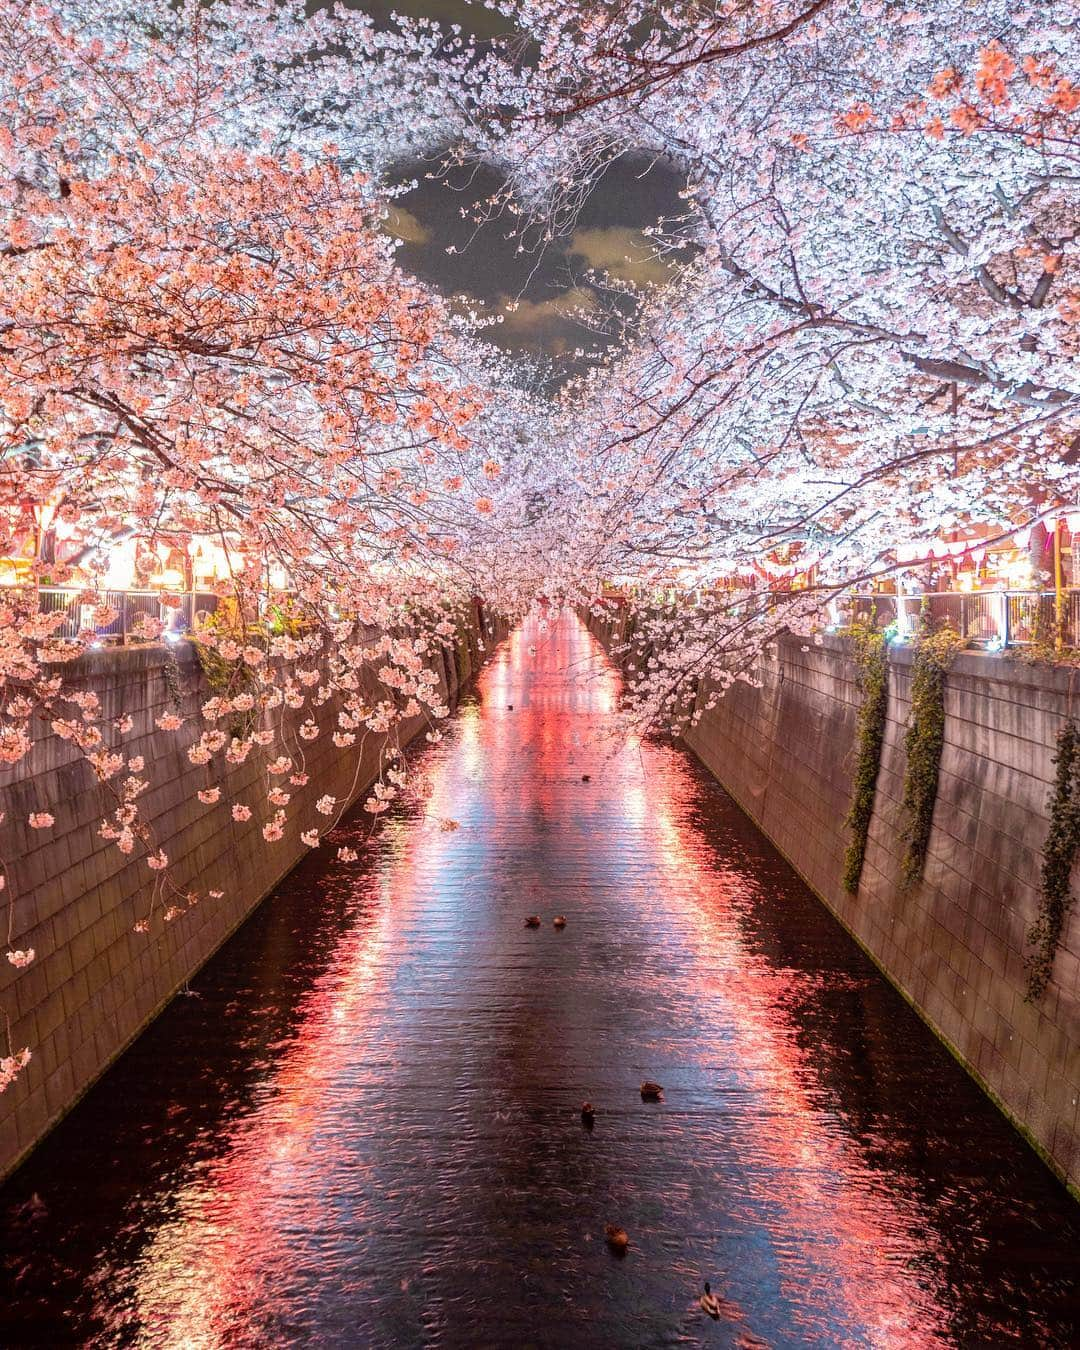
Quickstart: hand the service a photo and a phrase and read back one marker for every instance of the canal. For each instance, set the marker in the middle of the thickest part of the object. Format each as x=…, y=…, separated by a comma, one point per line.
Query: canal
x=362, y=1126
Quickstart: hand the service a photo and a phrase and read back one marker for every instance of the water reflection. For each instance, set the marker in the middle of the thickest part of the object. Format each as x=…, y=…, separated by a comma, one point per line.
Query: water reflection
x=365, y=1130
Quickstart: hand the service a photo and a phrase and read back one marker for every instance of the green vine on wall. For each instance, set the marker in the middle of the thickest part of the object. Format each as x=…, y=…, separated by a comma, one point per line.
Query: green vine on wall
x=924, y=741
x=228, y=677
x=170, y=671
x=1059, y=854
x=869, y=647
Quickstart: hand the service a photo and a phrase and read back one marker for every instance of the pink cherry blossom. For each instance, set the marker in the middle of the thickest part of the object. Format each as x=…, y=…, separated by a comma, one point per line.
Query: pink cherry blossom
x=11, y=1066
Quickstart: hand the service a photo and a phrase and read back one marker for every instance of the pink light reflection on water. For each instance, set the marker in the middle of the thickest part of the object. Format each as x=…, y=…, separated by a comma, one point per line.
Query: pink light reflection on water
x=411, y=1168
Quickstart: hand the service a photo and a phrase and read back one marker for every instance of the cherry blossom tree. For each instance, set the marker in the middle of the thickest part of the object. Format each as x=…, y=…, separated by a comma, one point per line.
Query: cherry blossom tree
x=876, y=339
x=204, y=334
x=870, y=337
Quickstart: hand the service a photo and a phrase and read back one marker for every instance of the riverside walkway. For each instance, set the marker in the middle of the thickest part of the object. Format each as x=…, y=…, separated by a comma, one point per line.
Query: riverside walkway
x=363, y=1128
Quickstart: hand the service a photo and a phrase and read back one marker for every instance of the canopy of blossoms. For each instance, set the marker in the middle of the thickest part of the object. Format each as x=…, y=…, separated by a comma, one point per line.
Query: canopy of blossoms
x=876, y=339
x=870, y=336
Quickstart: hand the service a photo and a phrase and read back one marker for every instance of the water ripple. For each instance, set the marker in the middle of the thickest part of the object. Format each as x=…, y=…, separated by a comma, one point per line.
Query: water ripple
x=366, y=1130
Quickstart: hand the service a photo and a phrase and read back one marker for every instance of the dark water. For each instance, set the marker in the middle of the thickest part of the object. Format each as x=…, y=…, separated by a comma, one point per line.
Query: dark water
x=364, y=1129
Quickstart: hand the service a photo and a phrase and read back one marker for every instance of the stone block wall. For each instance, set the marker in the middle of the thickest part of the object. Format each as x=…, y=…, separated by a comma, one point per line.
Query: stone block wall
x=954, y=944
x=75, y=898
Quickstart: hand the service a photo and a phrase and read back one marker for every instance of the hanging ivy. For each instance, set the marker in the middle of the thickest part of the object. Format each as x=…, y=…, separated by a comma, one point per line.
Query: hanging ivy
x=229, y=676
x=924, y=742
x=1059, y=854
x=170, y=671
x=869, y=649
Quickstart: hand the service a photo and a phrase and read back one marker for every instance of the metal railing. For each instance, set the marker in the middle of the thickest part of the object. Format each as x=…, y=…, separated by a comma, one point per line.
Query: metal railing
x=990, y=619
x=77, y=606
x=983, y=618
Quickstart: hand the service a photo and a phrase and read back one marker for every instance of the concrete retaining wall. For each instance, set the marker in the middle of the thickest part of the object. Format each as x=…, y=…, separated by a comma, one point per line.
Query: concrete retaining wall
x=96, y=982
x=954, y=944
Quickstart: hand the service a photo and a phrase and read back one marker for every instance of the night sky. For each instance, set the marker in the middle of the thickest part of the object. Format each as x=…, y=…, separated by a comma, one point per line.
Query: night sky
x=543, y=291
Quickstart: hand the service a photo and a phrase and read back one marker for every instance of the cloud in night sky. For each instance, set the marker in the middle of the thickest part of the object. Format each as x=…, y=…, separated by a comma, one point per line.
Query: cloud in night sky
x=404, y=225
x=621, y=251
x=484, y=263
x=548, y=325
x=482, y=267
